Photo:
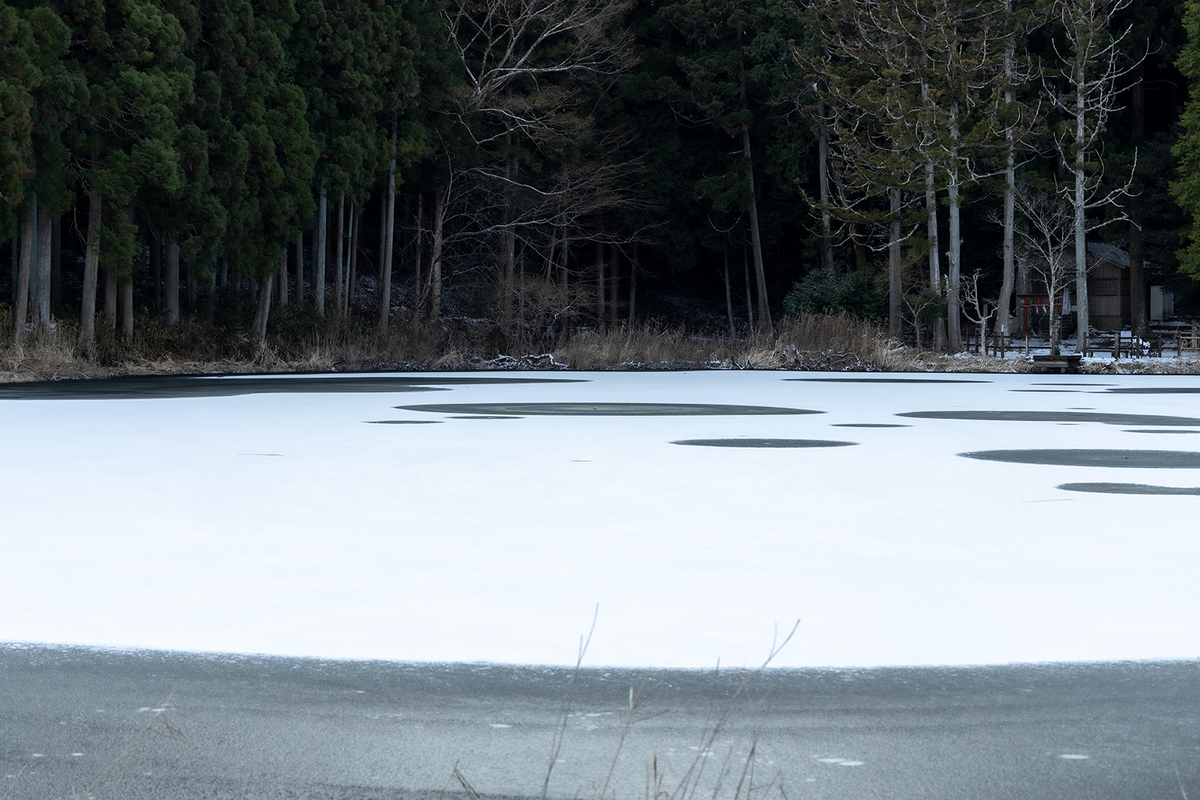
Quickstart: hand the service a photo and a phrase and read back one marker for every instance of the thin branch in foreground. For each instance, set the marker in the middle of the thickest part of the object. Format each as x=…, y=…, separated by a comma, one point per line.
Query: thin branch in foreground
x=125, y=759
x=560, y=729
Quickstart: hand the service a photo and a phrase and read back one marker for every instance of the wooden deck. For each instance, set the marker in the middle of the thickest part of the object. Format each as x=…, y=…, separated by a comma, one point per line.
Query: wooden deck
x=1063, y=364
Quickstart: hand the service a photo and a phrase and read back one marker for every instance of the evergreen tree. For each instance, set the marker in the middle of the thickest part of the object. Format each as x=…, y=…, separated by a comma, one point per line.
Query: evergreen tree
x=39, y=93
x=137, y=79
x=1186, y=189
x=736, y=59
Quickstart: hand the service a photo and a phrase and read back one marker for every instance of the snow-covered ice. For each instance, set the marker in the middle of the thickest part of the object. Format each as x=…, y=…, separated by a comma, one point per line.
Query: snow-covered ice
x=285, y=523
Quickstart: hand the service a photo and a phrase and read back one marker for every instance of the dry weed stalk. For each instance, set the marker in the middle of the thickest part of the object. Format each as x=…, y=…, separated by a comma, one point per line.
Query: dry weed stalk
x=635, y=714
x=159, y=725
x=564, y=712
x=689, y=784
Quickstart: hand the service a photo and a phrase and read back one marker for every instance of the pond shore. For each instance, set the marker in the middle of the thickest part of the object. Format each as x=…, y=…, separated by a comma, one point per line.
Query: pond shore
x=262, y=728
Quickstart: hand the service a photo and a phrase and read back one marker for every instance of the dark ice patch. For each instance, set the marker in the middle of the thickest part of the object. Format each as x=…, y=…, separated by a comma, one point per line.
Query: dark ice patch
x=604, y=409
x=1156, y=390
x=1056, y=416
x=1126, y=459
x=887, y=380
x=173, y=387
x=1129, y=488
x=403, y=421
x=763, y=443
x=483, y=416
x=869, y=425
x=1155, y=430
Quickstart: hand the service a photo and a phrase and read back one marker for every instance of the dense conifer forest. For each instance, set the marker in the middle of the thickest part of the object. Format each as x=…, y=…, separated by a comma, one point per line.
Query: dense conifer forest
x=239, y=173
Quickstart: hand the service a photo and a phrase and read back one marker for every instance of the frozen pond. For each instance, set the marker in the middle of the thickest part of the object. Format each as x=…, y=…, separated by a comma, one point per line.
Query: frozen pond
x=906, y=520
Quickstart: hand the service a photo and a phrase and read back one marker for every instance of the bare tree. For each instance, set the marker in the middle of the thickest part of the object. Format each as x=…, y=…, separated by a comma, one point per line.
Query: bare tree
x=976, y=308
x=1044, y=240
x=526, y=63
x=935, y=79
x=1092, y=68
x=1019, y=122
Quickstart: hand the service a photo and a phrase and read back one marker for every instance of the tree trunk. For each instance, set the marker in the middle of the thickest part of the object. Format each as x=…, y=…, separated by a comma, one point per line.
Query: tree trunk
x=91, y=266
x=15, y=266
x=894, y=285
x=600, y=294
x=1138, y=301
x=563, y=281
x=633, y=271
x=749, y=289
x=435, y=256
x=127, y=309
x=339, y=261
x=614, y=286
x=155, y=243
x=954, y=264
x=1055, y=310
x=551, y=249
x=56, y=266
x=860, y=249
x=299, y=245
x=1004, y=302
x=728, y=291
x=319, y=247
x=954, y=304
x=126, y=291
x=262, y=311
x=388, y=233
x=34, y=270
x=823, y=183
x=41, y=306
x=935, y=256
x=764, y=310
x=283, y=277
x=210, y=310
x=22, y=310
x=352, y=272
x=110, y=299
x=1001, y=326
x=931, y=231
x=419, y=256
x=508, y=243
x=1080, y=202
x=193, y=283
x=171, y=284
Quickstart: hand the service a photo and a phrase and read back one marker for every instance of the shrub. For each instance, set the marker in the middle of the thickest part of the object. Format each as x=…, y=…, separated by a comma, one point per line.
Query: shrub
x=820, y=292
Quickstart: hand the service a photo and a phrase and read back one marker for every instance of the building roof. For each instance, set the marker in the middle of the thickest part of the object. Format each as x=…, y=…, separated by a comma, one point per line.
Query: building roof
x=1110, y=253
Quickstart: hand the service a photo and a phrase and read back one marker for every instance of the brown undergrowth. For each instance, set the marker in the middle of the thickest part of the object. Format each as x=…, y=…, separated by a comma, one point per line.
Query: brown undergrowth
x=299, y=341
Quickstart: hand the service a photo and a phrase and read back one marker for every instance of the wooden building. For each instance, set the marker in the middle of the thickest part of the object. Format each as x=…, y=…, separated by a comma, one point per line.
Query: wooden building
x=1108, y=287
x=1108, y=294
x=1108, y=290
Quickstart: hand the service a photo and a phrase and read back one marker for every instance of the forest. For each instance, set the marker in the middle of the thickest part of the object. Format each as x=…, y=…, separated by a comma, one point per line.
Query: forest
x=250, y=172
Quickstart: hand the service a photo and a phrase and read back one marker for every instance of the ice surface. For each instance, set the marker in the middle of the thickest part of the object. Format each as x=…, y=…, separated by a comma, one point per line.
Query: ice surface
x=283, y=523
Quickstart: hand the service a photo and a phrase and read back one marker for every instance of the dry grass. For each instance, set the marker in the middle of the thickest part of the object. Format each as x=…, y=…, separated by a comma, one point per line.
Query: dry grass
x=301, y=342
x=830, y=342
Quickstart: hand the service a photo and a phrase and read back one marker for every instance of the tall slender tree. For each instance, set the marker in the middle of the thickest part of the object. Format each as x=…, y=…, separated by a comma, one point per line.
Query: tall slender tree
x=1186, y=189
x=137, y=79
x=738, y=59
x=1092, y=66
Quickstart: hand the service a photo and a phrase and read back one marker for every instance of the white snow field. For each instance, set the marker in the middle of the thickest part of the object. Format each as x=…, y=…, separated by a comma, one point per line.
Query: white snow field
x=289, y=524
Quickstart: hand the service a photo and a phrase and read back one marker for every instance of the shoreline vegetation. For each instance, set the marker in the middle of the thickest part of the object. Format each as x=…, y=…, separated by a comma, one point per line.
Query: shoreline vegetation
x=295, y=344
